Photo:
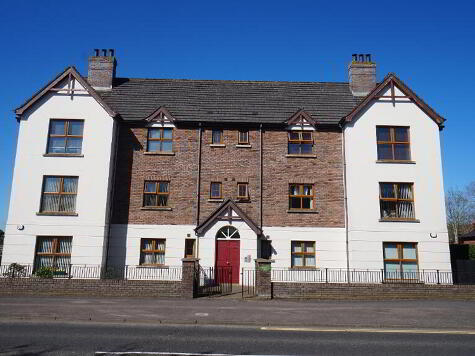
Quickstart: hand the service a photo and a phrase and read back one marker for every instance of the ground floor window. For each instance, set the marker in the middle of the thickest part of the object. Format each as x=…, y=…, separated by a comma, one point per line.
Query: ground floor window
x=189, y=248
x=54, y=252
x=152, y=252
x=400, y=260
x=303, y=254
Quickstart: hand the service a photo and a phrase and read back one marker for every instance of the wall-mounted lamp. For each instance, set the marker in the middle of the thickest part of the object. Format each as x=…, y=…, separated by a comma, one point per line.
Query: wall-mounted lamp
x=20, y=227
x=434, y=236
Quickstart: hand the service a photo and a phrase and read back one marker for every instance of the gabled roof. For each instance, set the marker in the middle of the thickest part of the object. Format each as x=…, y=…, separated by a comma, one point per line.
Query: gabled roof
x=160, y=115
x=228, y=101
x=224, y=212
x=301, y=118
x=69, y=73
x=392, y=81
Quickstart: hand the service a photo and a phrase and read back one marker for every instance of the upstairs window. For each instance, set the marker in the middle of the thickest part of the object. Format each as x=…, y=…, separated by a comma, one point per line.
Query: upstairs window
x=156, y=194
x=393, y=143
x=243, y=137
x=216, y=136
x=300, y=197
x=65, y=137
x=243, y=191
x=59, y=194
x=215, y=190
x=152, y=252
x=160, y=139
x=396, y=201
x=300, y=142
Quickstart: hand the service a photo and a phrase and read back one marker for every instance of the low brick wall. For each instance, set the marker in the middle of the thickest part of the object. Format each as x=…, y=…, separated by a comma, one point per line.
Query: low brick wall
x=336, y=291
x=92, y=287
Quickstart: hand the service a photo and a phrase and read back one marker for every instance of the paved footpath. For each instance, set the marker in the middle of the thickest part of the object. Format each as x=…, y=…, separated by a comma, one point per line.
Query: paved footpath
x=423, y=314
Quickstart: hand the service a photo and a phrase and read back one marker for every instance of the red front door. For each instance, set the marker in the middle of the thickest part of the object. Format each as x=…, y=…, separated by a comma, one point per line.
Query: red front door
x=227, y=255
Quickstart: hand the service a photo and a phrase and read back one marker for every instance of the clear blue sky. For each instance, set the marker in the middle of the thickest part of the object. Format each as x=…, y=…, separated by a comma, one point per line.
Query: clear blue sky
x=429, y=46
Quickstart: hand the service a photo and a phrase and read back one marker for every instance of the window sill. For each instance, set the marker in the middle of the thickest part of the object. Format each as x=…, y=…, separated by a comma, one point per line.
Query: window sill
x=302, y=211
x=291, y=155
x=217, y=145
x=215, y=200
x=243, y=200
x=401, y=220
x=395, y=161
x=159, y=153
x=159, y=208
x=62, y=155
x=56, y=214
x=243, y=145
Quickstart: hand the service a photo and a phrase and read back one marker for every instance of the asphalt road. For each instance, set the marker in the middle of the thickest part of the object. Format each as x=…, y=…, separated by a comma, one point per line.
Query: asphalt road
x=58, y=338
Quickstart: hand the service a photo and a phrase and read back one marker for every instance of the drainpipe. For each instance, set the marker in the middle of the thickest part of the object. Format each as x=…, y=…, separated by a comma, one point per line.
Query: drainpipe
x=260, y=176
x=345, y=194
x=198, y=188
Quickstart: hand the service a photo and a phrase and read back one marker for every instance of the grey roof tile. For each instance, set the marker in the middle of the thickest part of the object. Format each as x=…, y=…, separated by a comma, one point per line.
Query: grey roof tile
x=230, y=101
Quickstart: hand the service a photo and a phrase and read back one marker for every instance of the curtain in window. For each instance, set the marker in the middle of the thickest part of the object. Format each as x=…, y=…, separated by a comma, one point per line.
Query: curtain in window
x=405, y=209
x=216, y=138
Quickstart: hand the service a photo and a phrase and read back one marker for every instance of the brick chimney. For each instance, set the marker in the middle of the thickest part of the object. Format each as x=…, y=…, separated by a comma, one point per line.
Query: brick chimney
x=362, y=74
x=101, y=69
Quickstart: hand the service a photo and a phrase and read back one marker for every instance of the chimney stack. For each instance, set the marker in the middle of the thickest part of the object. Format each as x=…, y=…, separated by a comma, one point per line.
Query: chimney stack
x=362, y=74
x=101, y=69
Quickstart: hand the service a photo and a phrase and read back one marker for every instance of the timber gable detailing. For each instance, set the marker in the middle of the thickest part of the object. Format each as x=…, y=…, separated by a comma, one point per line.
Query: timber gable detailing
x=391, y=81
x=301, y=118
x=161, y=115
x=225, y=213
x=71, y=75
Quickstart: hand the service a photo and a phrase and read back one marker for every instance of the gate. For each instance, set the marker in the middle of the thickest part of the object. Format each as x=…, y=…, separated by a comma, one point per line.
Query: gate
x=248, y=283
x=214, y=281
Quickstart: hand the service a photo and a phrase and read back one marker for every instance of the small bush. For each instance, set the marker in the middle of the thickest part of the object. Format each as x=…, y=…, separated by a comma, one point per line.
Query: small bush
x=15, y=270
x=45, y=272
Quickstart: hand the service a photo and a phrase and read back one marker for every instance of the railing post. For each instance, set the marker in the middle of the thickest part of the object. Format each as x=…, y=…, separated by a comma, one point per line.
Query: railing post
x=382, y=275
x=326, y=275
x=69, y=271
x=126, y=272
x=438, y=278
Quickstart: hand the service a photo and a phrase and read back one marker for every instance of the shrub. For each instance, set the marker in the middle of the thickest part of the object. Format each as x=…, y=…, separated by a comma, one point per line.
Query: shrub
x=15, y=270
x=45, y=272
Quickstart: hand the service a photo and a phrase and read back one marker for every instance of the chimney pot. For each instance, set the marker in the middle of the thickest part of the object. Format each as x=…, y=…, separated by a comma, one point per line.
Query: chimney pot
x=362, y=75
x=96, y=52
x=104, y=52
x=111, y=52
x=355, y=57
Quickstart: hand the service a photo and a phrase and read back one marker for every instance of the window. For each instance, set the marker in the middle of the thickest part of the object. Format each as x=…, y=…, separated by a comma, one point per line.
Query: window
x=300, y=196
x=393, y=143
x=303, y=254
x=160, y=140
x=156, y=194
x=228, y=232
x=189, y=248
x=243, y=137
x=300, y=142
x=396, y=201
x=59, y=194
x=152, y=252
x=216, y=136
x=400, y=260
x=243, y=192
x=65, y=136
x=53, y=252
x=215, y=190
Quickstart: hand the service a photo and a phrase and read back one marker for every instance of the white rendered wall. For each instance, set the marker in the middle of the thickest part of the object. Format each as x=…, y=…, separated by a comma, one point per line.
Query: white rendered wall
x=90, y=226
x=366, y=233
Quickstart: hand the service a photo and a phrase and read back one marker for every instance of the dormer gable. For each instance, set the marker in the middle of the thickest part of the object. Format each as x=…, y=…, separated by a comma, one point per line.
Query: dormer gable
x=161, y=116
x=301, y=120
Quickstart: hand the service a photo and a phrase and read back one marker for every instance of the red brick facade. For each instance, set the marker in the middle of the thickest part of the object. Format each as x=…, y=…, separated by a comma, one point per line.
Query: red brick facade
x=230, y=164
